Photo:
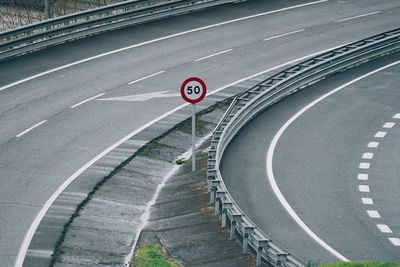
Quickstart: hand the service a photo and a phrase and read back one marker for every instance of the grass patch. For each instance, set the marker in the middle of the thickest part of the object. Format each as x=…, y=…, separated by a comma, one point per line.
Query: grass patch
x=186, y=126
x=152, y=255
x=358, y=264
x=149, y=148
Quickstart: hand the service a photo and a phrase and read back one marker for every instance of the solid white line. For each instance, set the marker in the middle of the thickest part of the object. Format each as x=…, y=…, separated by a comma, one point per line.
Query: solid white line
x=31, y=128
x=396, y=116
x=270, y=155
x=373, y=214
x=395, y=241
x=373, y=144
x=146, y=77
x=364, y=165
x=87, y=100
x=284, y=34
x=362, y=177
x=159, y=39
x=359, y=16
x=384, y=228
x=389, y=125
x=213, y=55
x=368, y=155
x=367, y=201
x=28, y=236
x=363, y=188
x=380, y=134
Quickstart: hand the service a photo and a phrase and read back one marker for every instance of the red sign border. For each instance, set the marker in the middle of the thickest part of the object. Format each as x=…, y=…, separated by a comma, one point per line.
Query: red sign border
x=202, y=96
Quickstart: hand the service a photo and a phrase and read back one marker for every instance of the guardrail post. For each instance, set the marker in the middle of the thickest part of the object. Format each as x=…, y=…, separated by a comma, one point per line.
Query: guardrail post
x=225, y=207
x=281, y=259
x=247, y=231
x=219, y=195
x=214, y=185
x=234, y=219
x=261, y=244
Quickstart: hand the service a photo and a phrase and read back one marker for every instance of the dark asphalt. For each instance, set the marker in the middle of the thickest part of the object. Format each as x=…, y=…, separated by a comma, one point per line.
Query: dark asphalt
x=316, y=165
x=34, y=166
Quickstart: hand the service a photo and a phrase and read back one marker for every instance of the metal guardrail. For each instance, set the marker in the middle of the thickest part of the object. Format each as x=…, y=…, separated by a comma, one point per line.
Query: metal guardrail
x=59, y=30
x=248, y=104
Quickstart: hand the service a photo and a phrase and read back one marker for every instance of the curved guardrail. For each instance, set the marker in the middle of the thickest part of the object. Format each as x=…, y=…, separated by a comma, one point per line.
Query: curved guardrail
x=59, y=30
x=248, y=104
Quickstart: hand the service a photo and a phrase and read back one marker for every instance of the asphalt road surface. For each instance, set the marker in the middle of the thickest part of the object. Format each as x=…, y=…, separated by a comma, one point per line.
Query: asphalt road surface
x=58, y=109
x=335, y=163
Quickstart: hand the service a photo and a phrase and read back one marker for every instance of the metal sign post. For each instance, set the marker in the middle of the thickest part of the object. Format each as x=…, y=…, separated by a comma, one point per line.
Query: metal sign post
x=193, y=90
x=193, y=137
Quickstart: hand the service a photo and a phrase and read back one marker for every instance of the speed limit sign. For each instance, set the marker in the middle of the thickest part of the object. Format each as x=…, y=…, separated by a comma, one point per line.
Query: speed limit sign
x=193, y=90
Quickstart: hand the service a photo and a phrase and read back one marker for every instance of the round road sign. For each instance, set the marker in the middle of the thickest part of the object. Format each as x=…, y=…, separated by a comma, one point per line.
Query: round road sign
x=193, y=90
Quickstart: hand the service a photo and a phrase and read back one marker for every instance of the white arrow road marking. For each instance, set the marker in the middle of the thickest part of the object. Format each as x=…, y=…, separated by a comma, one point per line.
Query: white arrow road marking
x=141, y=97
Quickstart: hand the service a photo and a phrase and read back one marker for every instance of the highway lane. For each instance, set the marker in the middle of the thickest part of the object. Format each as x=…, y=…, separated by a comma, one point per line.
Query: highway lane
x=36, y=163
x=316, y=164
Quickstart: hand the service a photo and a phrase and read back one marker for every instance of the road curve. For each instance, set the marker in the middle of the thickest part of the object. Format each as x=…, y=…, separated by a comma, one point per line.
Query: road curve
x=317, y=145
x=53, y=122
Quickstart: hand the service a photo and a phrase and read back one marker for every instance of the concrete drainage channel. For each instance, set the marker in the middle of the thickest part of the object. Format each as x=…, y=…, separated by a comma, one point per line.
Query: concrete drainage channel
x=96, y=221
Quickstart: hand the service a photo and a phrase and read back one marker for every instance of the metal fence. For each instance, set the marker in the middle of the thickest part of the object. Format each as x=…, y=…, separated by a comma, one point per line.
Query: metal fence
x=248, y=104
x=59, y=30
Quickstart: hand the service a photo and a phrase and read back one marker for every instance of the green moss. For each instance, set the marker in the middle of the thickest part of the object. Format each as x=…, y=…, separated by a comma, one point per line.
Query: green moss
x=362, y=264
x=186, y=126
x=152, y=255
x=149, y=148
x=183, y=161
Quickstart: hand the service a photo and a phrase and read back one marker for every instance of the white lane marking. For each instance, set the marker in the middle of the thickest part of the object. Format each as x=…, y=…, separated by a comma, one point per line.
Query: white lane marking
x=29, y=234
x=364, y=165
x=363, y=188
x=373, y=214
x=141, y=97
x=146, y=77
x=31, y=128
x=384, y=228
x=360, y=16
x=284, y=34
x=395, y=241
x=362, y=177
x=367, y=201
x=396, y=116
x=380, y=134
x=213, y=55
x=270, y=155
x=157, y=40
x=389, y=125
x=87, y=100
x=373, y=144
x=368, y=155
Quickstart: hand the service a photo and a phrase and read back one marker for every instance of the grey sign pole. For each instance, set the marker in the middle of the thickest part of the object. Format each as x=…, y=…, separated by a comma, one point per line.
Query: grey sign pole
x=193, y=137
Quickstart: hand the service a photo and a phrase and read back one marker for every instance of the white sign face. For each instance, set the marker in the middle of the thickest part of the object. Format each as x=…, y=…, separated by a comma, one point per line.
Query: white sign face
x=193, y=90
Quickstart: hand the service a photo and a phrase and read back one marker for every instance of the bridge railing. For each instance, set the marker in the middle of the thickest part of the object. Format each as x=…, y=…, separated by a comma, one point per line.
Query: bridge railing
x=59, y=30
x=248, y=104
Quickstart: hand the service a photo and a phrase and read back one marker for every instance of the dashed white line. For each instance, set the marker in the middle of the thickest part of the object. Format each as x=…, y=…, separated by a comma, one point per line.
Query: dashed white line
x=213, y=55
x=284, y=34
x=87, y=100
x=367, y=201
x=146, y=77
x=360, y=16
x=395, y=241
x=373, y=214
x=373, y=144
x=363, y=188
x=380, y=134
x=364, y=165
x=368, y=155
x=389, y=125
x=362, y=177
x=31, y=128
x=384, y=228
x=396, y=116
